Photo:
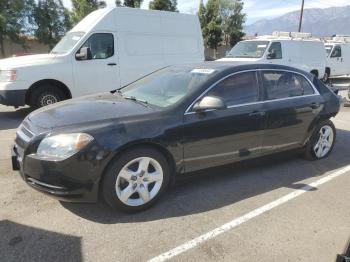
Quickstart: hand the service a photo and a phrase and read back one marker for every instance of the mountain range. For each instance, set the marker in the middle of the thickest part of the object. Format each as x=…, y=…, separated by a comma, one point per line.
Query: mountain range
x=319, y=22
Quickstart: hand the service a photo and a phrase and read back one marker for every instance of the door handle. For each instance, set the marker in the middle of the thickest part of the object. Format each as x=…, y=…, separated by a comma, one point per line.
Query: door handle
x=315, y=105
x=111, y=64
x=257, y=114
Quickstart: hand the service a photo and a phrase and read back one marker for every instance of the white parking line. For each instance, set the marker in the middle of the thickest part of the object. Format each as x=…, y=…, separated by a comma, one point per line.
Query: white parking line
x=240, y=220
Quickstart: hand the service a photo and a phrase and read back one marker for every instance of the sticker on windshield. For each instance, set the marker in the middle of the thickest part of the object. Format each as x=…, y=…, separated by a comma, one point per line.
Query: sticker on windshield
x=261, y=46
x=75, y=38
x=202, y=71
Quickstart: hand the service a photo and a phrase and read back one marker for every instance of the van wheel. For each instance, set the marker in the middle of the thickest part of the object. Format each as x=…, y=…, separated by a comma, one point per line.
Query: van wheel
x=315, y=73
x=326, y=76
x=321, y=141
x=136, y=179
x=45, y=95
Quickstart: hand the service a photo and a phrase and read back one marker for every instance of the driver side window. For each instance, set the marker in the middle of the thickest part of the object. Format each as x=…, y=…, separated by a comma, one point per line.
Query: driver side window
x=101, y=45
x=238, y=89
x=336, y=51
x=275, y=51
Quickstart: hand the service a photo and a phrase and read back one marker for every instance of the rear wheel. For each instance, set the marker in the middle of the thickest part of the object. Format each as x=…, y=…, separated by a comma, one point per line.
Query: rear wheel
x=45, y=95
x=314, y=72
x=321, y=142
x=326, y=76
x=135, y=180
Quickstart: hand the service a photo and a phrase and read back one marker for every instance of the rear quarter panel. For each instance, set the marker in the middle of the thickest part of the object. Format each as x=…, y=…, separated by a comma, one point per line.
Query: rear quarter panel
x=331, y=100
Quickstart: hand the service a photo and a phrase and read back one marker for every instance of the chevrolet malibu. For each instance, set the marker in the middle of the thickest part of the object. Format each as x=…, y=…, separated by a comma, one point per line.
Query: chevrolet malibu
x=128, y=145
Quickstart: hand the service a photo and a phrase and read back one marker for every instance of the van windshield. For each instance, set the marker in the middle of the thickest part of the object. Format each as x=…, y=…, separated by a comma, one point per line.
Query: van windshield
x=167, y=86
x=67, y=42
x=248, y=49
x=328, y=49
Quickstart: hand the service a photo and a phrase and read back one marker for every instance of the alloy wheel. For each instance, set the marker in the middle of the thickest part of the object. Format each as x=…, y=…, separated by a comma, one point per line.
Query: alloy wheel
x=324, y=142
x=139, y=181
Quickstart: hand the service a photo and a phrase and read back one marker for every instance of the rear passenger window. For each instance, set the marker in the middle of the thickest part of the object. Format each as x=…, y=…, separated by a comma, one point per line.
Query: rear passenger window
x=237, y=89
x=278, y=84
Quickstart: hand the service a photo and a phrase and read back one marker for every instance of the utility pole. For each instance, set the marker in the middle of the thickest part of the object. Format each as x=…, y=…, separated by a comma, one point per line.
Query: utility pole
x=301, y=15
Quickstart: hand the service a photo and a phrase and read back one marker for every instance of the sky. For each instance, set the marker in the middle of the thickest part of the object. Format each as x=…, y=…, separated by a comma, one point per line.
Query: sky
x=255, y=9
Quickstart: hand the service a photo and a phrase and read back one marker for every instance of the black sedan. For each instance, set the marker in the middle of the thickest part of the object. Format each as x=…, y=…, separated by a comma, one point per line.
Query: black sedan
x=129, y=144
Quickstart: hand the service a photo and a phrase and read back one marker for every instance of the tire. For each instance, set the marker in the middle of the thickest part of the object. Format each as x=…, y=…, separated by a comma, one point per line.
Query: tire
x=316, y=143
x=127, y=191
x=315, y=73
x=45, y=95
x=326, y=76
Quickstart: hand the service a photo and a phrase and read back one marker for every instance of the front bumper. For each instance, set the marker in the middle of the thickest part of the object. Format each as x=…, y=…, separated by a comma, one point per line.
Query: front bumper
x=12, y=97
x=64, y=181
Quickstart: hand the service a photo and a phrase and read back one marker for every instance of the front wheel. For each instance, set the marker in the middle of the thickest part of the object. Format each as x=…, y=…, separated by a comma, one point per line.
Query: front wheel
x=136, y=179
x=321, y=142
x=326, y=76
x=45, y=95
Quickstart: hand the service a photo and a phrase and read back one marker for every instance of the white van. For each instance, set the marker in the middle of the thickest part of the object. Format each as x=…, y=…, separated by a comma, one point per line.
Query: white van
x=338, y=56
x=107, y=50
x=299, y=50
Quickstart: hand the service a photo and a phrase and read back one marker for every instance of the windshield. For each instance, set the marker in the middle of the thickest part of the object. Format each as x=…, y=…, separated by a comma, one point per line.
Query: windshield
x=167, y=86
x=328, y=49
x=67, y=42
x=249, y=49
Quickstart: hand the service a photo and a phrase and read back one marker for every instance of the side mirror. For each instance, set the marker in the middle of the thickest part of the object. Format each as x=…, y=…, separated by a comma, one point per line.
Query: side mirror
x=271, y=54
x=209, y=103
x=84, y=54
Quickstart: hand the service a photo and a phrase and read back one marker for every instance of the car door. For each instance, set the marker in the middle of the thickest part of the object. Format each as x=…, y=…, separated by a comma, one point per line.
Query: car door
x=291, y=104
x=336, y=61
x=217, y=137
x=100, y=72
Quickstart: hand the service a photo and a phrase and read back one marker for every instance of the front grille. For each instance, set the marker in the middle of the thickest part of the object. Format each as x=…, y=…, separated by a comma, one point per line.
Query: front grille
x=26, y=131
x=23, y=135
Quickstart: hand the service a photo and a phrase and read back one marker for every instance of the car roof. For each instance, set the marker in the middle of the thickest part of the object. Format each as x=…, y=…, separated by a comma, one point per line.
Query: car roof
x=231, y=67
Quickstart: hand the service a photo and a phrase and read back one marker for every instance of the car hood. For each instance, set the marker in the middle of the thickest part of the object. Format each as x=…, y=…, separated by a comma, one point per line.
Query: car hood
x=87, y=110
x=28, y=60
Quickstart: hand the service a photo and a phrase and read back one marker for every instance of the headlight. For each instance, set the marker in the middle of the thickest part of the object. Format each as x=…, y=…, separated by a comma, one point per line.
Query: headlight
x=62, y=146
x=8, y=75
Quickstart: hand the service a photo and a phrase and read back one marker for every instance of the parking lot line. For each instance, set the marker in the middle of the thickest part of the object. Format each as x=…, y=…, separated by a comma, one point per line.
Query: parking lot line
x=240, y=220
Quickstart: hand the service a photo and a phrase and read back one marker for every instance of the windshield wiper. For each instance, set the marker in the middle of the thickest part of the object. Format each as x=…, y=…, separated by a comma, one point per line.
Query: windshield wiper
x=116, y=91
x=133, y=98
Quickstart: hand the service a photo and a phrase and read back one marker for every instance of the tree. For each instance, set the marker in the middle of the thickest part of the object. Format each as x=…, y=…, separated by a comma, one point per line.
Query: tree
x=166, y=5
x=82, y=8
x=133, y=3
x=202, y=15
x=118, y=3
x=15, y=16
x=52, y=21
x=212, y=31
x=232, y=20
